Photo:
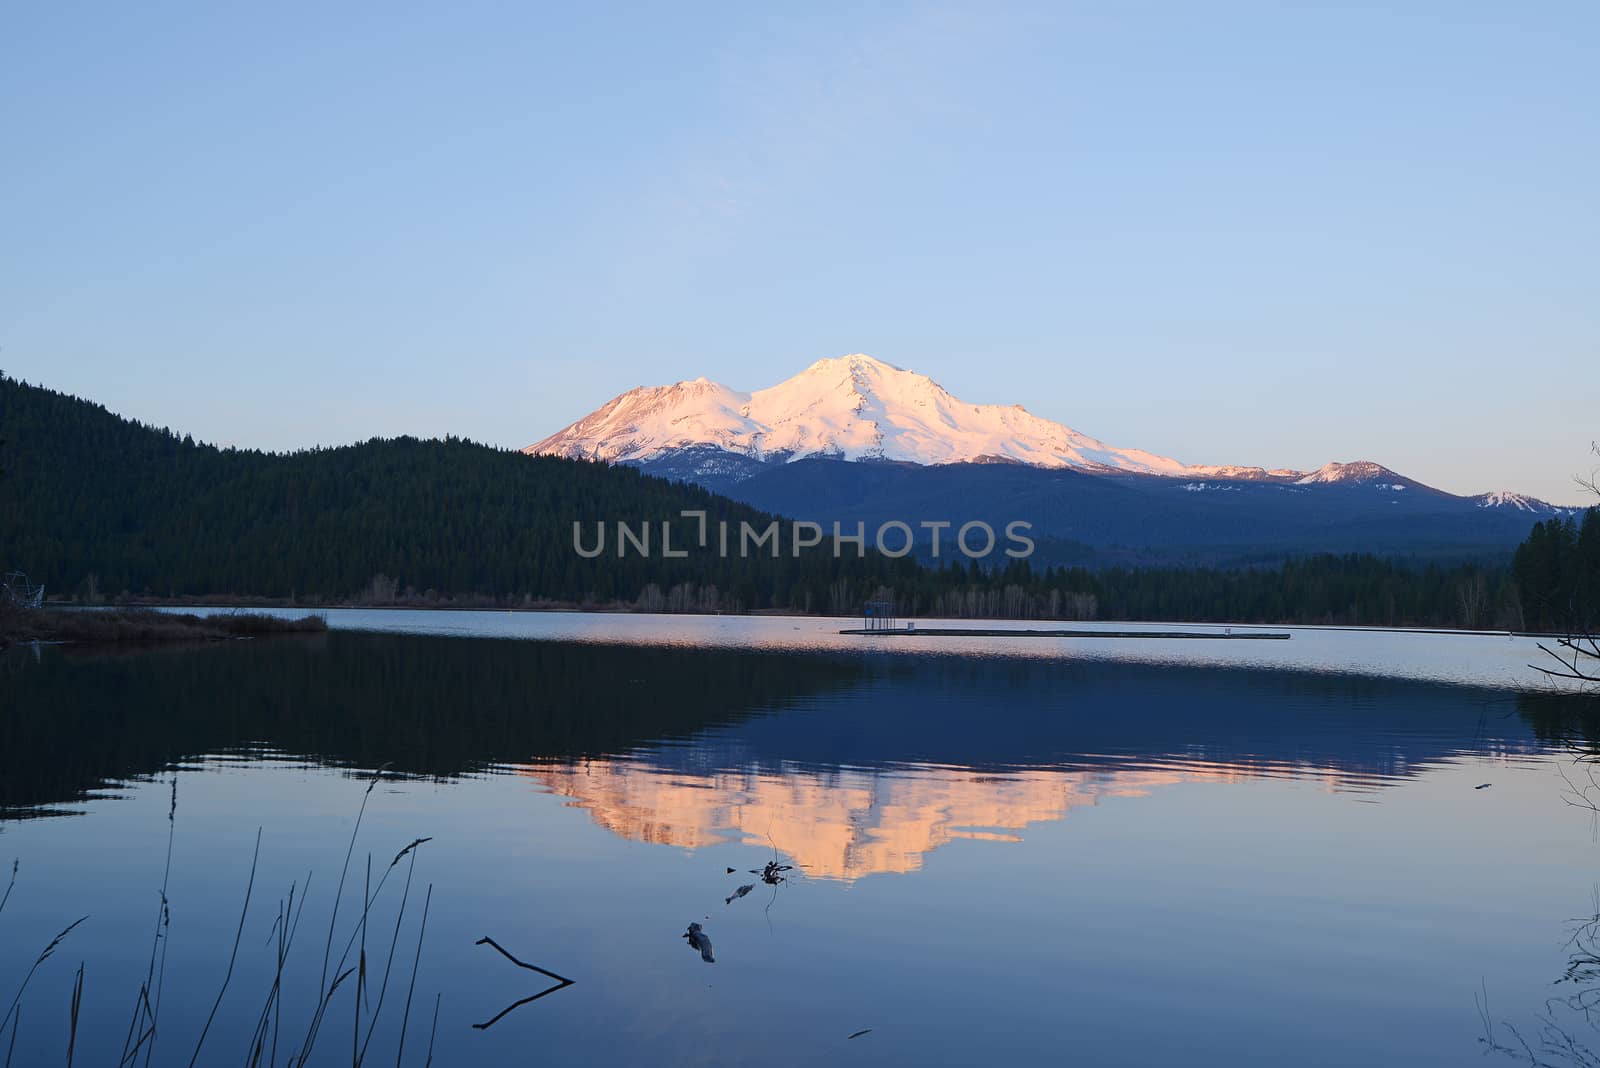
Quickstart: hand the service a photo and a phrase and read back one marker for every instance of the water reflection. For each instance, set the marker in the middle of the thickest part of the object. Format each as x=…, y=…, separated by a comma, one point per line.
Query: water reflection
x=930, y=752
x=544, y=771
x=77, y=722
x=852, y=764
x=840, y=826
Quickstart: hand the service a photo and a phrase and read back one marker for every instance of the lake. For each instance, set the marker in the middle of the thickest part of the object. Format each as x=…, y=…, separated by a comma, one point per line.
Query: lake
x=1097, y=851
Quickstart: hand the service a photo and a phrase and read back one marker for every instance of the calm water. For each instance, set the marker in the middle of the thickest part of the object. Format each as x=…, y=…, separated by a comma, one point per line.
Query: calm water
x=1097, y=851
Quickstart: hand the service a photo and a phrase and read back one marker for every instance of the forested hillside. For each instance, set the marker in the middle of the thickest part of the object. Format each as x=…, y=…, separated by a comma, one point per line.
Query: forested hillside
x=89, y=497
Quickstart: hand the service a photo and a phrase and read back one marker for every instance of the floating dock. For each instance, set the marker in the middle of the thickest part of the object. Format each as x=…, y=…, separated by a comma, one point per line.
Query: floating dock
x=975, y=632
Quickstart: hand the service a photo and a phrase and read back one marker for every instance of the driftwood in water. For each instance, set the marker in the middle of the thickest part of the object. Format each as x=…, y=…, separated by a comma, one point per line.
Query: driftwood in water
x=698, y=939
x=772, y=874
x=562, y=982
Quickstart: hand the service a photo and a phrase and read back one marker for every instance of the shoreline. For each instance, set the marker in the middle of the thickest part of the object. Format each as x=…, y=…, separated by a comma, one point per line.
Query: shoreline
x=627, y=608
x=55, y=624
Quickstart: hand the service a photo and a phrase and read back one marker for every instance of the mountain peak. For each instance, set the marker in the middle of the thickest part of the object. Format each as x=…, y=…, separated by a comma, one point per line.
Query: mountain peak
x=1519, y=502
x=858, y=407
x=855, y=362
x=1358, y=471
x=853, y=407
x=865, y=375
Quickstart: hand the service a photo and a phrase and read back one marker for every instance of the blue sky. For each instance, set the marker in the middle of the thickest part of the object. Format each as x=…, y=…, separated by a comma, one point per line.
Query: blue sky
x=1232, y=233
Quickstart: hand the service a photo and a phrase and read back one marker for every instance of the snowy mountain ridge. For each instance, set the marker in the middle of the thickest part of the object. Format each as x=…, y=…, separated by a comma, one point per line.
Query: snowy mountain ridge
x=856, y=407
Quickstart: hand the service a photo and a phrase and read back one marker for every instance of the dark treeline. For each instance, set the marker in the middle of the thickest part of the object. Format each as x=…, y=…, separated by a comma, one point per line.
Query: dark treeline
x=99, y=508
x=1557, y=571
x=1353, y=590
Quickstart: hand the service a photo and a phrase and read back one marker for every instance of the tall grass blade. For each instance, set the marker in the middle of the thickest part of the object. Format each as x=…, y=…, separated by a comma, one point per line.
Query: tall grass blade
x=7, y=896
x=12, y=1048
x=432, y=1031
x=361, y=974
x=77, y=1004
x=394, y=941
x=232, y=957
x=44, y=956
x=163, y=924
x=338, y=896
x=405, y=1018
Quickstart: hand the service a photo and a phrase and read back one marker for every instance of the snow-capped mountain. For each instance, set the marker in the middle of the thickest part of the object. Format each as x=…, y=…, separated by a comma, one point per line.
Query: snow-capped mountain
x=1519, y=502
x=851, y=408
x=856, y=439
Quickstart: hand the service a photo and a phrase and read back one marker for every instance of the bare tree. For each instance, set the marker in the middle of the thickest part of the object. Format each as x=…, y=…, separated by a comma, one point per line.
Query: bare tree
x=1578, y=653
x=1472, y=600
x=1592, y=483
x=381, y=590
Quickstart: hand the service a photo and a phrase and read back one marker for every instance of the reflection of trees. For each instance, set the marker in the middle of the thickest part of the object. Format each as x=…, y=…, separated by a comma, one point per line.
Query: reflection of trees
x=1563, y=719
x=1560, y=1038
x=443, y=707
x=431, y=707
x=1571, y=722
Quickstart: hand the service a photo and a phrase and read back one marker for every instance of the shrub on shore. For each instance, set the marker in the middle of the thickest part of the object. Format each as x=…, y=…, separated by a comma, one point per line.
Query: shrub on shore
x=143, y=625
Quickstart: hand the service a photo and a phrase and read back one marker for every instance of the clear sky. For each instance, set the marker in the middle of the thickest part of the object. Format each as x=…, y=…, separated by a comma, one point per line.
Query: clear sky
x=1231, y=233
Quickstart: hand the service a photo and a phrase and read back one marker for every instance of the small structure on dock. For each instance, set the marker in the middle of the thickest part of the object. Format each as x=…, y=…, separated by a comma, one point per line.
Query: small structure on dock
x=909, y=630
x=877, y=615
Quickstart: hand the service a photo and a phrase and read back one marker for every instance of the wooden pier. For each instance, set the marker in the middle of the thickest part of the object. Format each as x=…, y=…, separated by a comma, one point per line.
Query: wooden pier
x=978, y=632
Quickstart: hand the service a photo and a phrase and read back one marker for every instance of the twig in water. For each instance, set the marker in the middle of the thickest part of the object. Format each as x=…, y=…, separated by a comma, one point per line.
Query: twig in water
x=487, y=941
x=562, y=982
x=772, y=873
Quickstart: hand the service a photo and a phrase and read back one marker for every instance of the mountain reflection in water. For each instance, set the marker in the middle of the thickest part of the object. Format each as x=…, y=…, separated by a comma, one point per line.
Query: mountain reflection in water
x=917, y=754
x=850, y=764
x=542, y=771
